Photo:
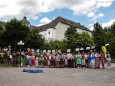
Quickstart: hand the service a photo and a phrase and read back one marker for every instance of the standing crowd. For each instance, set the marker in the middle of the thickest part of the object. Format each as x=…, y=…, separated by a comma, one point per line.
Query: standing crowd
x=91, y=59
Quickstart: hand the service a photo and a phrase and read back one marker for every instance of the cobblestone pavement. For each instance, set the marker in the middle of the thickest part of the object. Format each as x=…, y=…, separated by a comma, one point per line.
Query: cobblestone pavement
x=58, y=77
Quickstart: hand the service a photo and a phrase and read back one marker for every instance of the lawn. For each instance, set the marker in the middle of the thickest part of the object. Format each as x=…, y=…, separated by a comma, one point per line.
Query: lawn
x=5, y=65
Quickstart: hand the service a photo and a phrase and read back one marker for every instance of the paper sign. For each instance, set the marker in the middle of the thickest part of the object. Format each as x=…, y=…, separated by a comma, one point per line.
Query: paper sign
x=68, y=50
x=77, y=49
x=87, y=48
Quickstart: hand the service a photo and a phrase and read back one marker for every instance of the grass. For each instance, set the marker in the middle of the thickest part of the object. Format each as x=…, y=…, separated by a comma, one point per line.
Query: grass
x=5, y=65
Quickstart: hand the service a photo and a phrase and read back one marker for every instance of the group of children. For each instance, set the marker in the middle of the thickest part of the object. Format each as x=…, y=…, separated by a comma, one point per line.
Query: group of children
x=69, y=60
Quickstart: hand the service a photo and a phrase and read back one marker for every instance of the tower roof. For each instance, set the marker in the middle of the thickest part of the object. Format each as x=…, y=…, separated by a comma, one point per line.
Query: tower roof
x=25, y=21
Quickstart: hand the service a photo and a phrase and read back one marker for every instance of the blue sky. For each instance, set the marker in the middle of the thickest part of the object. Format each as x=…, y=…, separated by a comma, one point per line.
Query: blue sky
x=40, y=12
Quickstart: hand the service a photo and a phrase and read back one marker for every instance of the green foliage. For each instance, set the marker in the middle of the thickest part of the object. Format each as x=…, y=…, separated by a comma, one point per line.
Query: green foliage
x=55, y=45
x=75, y=40
x=71, y=31
x=71, y=37
x=34, y=39
x=102, y=36
x=84, y=40
x=112, y=46
x=113, y=28
x=15, y=31
x=98, y=36
x=2, y=28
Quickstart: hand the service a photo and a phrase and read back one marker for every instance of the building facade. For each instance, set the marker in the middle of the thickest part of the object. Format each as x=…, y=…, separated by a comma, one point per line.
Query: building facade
x=56, y=29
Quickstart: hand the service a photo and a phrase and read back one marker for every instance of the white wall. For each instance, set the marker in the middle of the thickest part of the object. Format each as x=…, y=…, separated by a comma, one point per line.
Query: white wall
x=83, y=31
x=60, y=31
x=49, y=34
x=79, y=30
x=44, y=34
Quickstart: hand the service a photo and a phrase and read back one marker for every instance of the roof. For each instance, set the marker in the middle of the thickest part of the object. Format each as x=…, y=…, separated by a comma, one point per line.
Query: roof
x=64, y=21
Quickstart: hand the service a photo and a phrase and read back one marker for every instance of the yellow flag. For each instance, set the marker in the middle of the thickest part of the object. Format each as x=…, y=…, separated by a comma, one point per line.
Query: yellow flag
x=104, y=49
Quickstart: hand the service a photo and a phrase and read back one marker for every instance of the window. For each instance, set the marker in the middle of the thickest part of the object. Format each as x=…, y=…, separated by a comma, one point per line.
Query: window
x=49, y=32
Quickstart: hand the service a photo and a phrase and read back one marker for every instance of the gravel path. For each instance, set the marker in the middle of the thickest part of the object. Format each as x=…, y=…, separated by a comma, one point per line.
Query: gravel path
x=58, y=77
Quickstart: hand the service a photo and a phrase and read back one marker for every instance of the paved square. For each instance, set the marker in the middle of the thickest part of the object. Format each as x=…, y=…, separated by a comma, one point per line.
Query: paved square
x=58, y=77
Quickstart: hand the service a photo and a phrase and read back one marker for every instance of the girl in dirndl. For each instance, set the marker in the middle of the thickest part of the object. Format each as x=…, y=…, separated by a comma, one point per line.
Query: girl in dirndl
x=83, y=60
x=28, y=60
x=32, y=60
x=78, y=59
x=36, y=61
x=97, y=60
x=48, y=60
x=108, y=58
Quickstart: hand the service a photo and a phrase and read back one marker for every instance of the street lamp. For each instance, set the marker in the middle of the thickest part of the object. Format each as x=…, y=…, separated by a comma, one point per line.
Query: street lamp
x=20, y=43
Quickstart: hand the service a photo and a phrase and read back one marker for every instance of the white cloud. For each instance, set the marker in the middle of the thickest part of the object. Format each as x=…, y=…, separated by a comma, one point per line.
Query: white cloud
x=44, y=21
x=97, y=16
x=31, y=8
x=91, y=14
x=109, y=23
x=104, y=3
x=91, y=28
x=90, y=25
x=100, y=15
x=105, y=24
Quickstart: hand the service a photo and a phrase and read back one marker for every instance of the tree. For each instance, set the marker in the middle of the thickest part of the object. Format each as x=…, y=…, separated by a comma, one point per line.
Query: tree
x=71, y=37
x=75, y=40
x=112, y=46
x=14, y=32
x=71, y=31
x=84, y=40
x=34, y=40
x=2, y=24
x=102, y=36
x=98, y=36
x=55, y=45
x=113, y=28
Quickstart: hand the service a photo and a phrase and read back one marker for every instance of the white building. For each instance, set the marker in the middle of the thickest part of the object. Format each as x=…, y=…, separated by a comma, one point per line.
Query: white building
x=55, y=30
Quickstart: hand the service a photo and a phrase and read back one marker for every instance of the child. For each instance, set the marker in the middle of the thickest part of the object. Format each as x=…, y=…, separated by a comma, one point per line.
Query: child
x=108, y=60
x=78, y=59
